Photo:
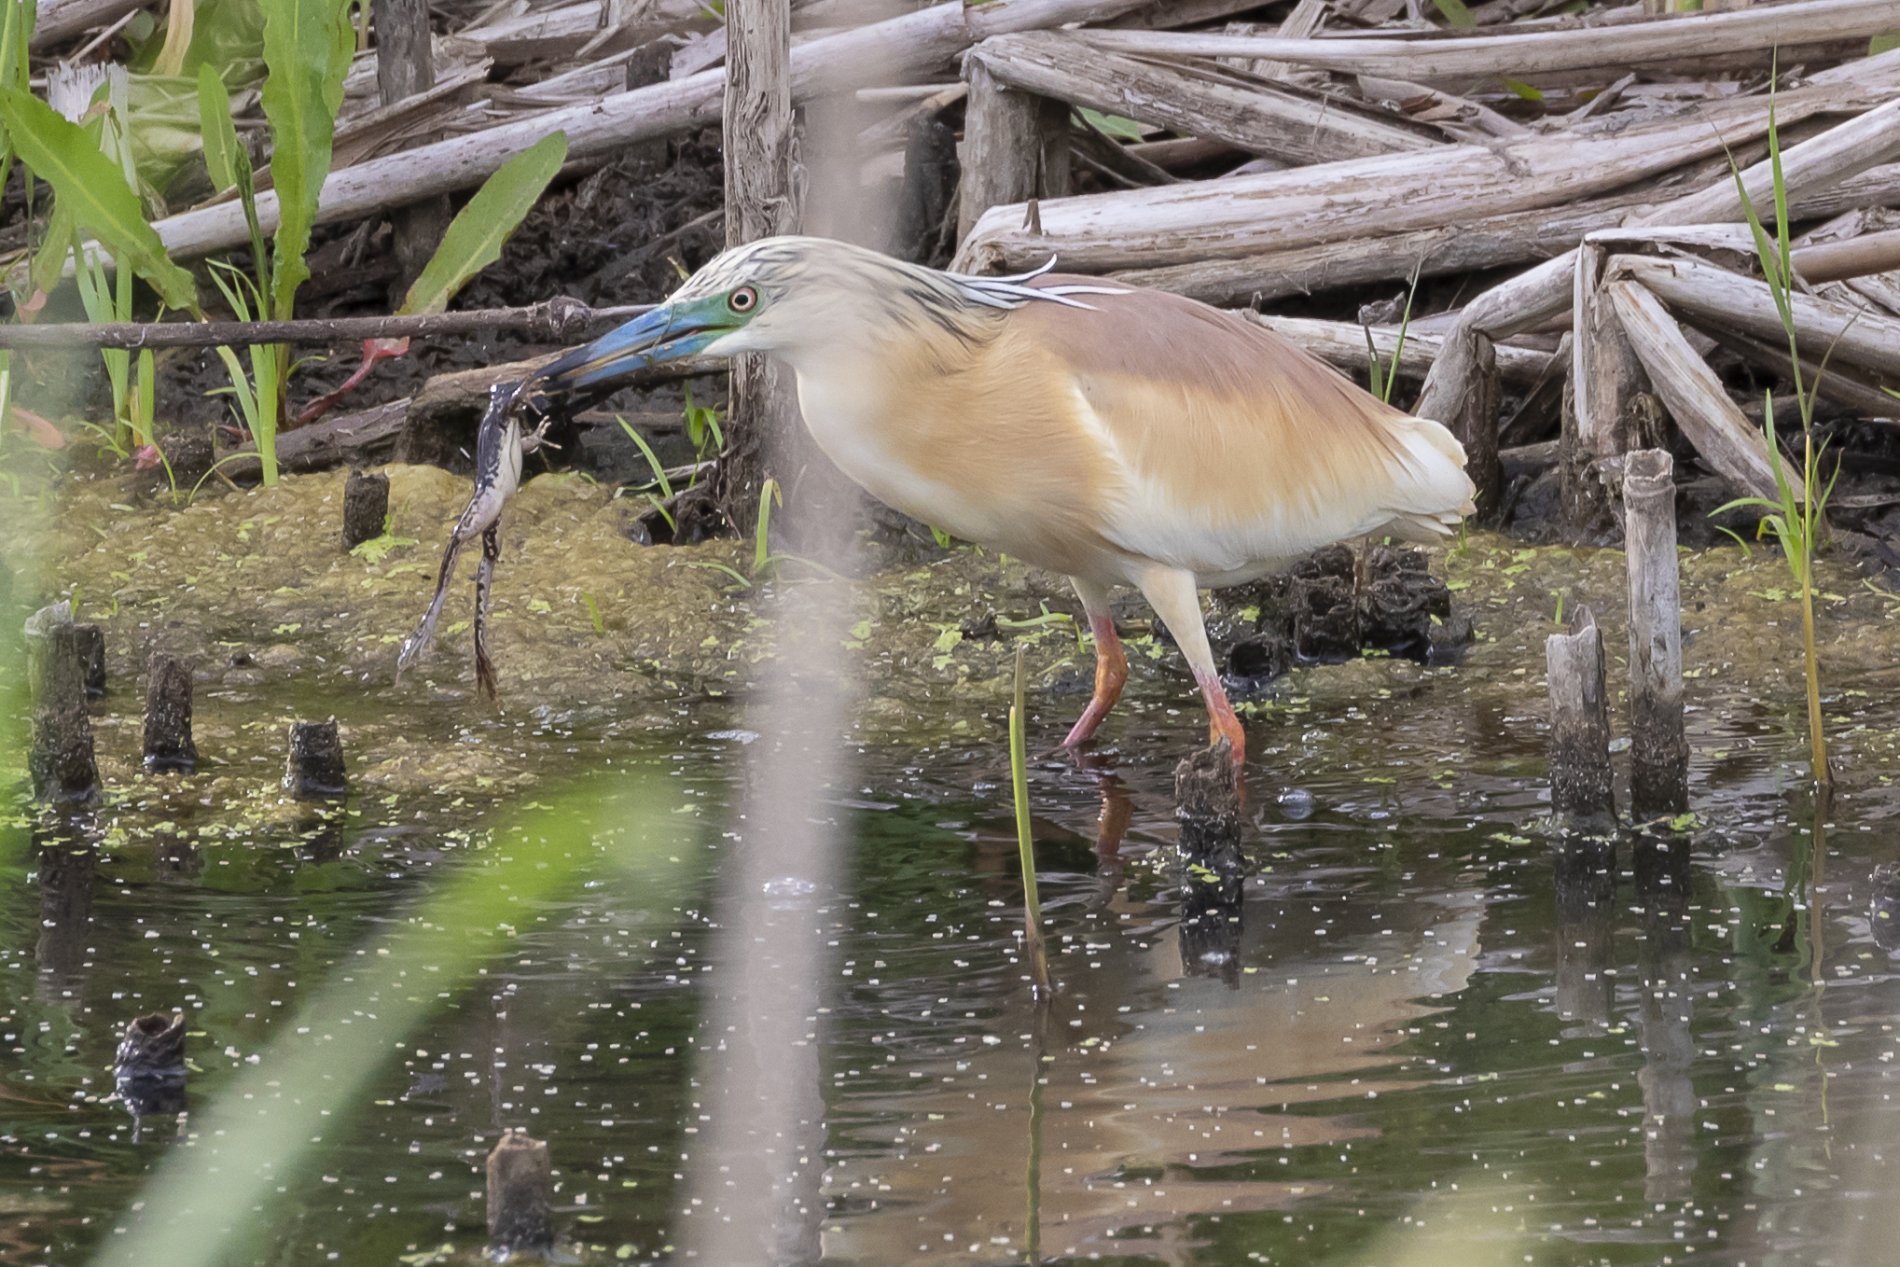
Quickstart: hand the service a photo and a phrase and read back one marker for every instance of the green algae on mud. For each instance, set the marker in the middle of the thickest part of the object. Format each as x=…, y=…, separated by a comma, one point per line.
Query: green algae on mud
x=592, y=630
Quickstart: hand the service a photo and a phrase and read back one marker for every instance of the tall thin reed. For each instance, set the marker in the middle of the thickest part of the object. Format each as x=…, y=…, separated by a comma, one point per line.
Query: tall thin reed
x=1025, y=847
x=1797, y=516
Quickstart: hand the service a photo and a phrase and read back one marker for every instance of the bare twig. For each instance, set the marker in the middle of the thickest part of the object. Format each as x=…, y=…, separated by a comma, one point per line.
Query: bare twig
x=558, y=320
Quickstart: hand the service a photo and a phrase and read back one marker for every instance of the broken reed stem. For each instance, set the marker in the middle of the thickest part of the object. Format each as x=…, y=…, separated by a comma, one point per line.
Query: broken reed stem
x=1025, y=846
x=558, y=320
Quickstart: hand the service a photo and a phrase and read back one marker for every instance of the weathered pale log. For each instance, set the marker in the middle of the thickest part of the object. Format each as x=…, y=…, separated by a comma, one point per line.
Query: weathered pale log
x=1527, y=54
x=1708, y=293
x=1606, y=378
x=1581, y=790
x=1014, y=146
x=1301, y=22
x=761, y=201
x=1692, y=392
x=1443, y=250
x=1659, y=748
x=1277, y=121
x=1842, y=148
x=57, y=20
x=1344, y=346
x=1836, y=382
x=1852, y=257
x=1279, y=210
x=904, y=47
x=1462, y=391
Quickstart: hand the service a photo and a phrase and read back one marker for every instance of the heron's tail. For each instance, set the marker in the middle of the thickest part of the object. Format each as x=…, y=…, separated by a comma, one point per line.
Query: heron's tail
x=1434, y=494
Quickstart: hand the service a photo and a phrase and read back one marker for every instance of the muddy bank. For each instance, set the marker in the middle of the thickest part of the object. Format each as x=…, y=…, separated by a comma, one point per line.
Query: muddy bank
x=595, y=634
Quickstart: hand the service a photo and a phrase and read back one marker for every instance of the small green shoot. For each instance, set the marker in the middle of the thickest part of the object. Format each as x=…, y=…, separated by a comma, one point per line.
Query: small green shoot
x=1025, y=844
x=1797, y=516
x=1384, y=378
x=593, y=614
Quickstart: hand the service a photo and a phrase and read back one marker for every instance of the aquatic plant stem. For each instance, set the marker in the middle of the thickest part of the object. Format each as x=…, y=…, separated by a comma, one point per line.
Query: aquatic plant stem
x=1025, y=846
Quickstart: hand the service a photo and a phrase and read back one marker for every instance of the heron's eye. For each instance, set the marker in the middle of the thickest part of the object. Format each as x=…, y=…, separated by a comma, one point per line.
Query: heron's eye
x=744, y=299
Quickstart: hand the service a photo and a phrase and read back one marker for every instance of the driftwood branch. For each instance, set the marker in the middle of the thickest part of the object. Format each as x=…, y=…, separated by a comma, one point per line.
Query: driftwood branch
x=1270, y=119
x=1707, y=293
x=1393, y=193
x=1721, y=434
x=904, y=47
x=1523, y=55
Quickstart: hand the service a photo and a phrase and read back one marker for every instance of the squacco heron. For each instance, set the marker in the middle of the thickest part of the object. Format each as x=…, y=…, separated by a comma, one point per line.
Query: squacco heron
x=1123, y=437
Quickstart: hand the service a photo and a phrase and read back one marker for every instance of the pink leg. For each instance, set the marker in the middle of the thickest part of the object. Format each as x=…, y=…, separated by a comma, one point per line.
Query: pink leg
x=1111, y=672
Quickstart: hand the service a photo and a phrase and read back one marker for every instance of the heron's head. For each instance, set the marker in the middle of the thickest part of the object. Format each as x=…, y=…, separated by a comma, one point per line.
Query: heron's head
x=793, y=296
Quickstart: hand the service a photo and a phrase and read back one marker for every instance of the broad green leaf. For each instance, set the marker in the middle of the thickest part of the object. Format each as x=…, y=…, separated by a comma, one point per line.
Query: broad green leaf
x=222, y=150
x=1456, y=14
x=475, y=237
x=307, y=46
x=92, y=186
x=1883, y=44
x=1112, y=126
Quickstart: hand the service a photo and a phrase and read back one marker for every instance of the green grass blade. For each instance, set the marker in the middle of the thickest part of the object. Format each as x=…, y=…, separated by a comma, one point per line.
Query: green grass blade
x=222, y=151
x=93, y=188
x=475, y=237
x=307, y=47
x=646, y=450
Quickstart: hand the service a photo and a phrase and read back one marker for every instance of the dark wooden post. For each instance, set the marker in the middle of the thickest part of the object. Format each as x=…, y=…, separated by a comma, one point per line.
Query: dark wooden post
x=1659, y=750
x=405, y=66
x=1580, y=780
x=168, y=743
x=1462, y=391
x=365, y=507
x=520, y=1190
x=763, y=434
x=61, y=761
x=1015, y=146
x=315, y=765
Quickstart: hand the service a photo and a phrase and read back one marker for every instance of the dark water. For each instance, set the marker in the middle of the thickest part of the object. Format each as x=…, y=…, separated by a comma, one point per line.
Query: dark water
x=1417, y=1033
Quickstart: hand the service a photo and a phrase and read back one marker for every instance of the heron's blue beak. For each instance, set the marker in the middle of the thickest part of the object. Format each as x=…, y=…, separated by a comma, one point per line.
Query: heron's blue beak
x=667, y=333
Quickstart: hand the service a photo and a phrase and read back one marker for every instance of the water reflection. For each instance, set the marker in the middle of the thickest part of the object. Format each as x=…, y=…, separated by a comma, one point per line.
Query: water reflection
x=68, y=868
x=1666, y=969
x=1585, y=876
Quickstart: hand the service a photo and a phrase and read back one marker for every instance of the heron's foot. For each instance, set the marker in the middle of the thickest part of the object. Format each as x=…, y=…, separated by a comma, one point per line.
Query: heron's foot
x=1111, y=674
x=1222, y=723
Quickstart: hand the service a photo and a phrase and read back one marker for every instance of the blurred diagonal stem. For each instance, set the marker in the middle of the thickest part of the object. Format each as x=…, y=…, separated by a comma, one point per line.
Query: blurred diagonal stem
x=1025, y=844
x=213, y=1203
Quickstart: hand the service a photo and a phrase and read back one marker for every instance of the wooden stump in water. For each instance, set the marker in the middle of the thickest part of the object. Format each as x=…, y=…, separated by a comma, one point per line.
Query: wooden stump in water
x=92, y=657
x=365, y=508
x=1207, y=804
x=520, y=1189
x=315, y=766
x=168, y=743
x=61, y=762
x=1462, y=391
x=1659, y=749
x=1580, y=780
